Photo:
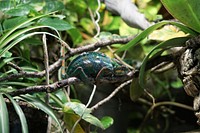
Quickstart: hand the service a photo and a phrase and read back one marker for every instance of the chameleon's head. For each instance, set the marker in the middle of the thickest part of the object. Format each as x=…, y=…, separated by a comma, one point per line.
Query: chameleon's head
x=119, y=69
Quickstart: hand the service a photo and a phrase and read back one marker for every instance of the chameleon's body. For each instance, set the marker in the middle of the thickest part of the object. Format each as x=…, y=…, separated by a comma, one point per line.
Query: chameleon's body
x=94, y=65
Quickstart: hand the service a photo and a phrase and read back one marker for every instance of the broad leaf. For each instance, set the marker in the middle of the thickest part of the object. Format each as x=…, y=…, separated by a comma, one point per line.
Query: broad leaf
x=87, y=24
x=70, y=119
x=93, y=120
x=166, y=33
x=58, y=24
x=21, y=10
x=107, y=121
x=186, y=11
x=75, y=35
x=53, y=5
x=78, y=108
x=13, y=22
x=83, y=112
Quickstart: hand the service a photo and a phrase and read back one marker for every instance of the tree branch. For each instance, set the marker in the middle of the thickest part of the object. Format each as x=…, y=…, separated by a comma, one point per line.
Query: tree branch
x=43, y=88
x=57, y=64
x=111, y=95
x=57, y=85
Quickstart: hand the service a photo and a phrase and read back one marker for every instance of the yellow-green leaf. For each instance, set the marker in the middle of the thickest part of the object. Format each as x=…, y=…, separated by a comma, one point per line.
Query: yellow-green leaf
x=70, y=119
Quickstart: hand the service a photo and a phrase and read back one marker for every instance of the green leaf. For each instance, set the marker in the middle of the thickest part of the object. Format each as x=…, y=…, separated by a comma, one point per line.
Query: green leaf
x=7, y=54
x=93, y=120
x=107, y=121
x=83, y=112
x=5, y=89
x=20, y=113
x=149, y=30
x=33, y=41
x=19, y=26
x=43, y=106
x=4, y=61
x=6, y=5
x=58, y=24
x=57, y=99
x=76, y=36
x=177, y=83
x=21, y=10
x=20, y=32
x=4, y=120
x=78, y=6
x=87, y=24
x=78, y=108
x=174, y=42
x=186, y=11
x=70, y=119
x=114, y=24
x=53, y=6
x=17, y=83
x=18, y=37
x=1, y=28
x=135, y=89
x=13, y=22
x=12, y=44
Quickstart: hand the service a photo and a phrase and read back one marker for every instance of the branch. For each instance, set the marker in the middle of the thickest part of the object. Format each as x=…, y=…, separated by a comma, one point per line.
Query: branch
x=111, y=95
x=57, y=64
x=43, y=88
x=72, y=80
x=57, y=85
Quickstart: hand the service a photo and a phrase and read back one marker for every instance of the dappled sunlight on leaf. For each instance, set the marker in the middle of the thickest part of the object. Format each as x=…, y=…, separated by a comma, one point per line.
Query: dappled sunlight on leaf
x=166, y=33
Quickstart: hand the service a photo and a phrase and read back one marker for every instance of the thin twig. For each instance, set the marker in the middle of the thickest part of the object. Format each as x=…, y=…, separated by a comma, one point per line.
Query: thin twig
x=88, y=103
x=163, y=67
x=72, y=80
x=43, y=88
x=180, y=105
x=46, y=59
x=46, y=64
x=151, y=96
x=111, y=95
x=19, y=69
x=62, y=51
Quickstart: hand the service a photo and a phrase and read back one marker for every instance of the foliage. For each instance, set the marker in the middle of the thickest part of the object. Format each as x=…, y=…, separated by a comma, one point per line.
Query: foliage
x=23, y=24
x=189, y=9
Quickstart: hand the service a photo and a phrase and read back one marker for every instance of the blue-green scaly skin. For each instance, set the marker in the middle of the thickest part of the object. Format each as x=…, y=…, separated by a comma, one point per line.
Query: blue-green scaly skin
x=91, y=64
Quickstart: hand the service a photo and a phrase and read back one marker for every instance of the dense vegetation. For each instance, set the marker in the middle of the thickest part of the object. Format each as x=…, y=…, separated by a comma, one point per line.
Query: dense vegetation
x=38, y=40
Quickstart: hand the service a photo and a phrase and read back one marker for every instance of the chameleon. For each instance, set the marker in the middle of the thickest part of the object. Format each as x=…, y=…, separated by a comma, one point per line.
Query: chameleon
x=95, y=66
